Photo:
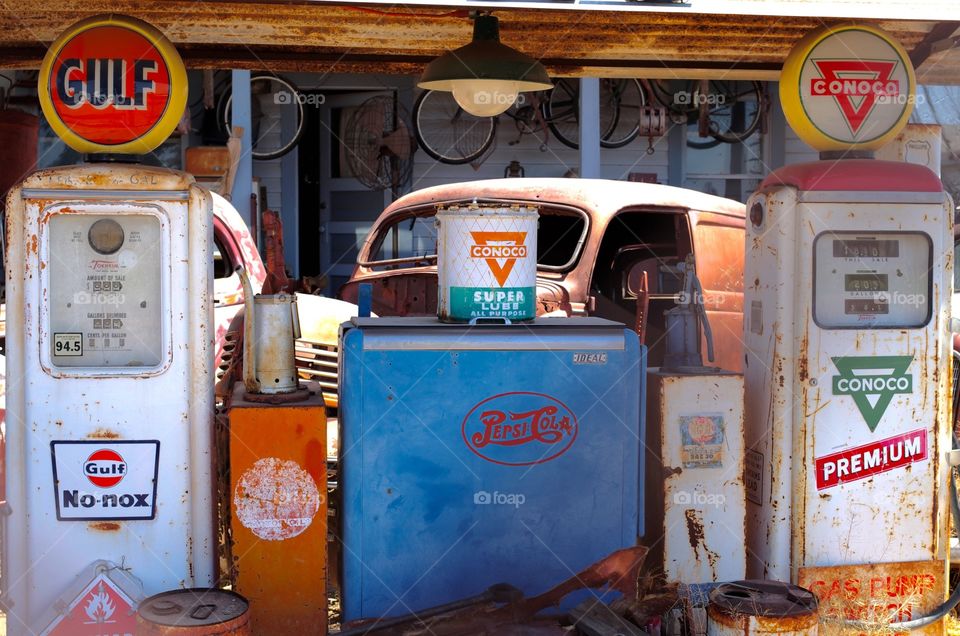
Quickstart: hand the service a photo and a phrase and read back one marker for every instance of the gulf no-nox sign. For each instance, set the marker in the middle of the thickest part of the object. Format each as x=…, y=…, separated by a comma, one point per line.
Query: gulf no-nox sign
x=105, y=480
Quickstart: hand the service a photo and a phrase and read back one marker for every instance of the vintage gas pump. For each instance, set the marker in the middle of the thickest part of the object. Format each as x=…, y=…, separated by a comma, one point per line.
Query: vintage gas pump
x=110, y=354
x=848, y=279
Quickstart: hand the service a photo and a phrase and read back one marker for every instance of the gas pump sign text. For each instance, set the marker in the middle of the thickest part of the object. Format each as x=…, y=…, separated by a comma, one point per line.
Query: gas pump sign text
x=112, y=84
x=97, y=480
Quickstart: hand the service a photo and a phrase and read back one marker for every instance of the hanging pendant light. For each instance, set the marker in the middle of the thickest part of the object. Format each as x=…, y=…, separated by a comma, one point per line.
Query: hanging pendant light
x=485, y=76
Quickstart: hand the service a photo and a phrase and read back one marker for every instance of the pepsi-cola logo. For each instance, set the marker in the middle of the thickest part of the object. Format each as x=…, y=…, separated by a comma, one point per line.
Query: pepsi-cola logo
x=520, y=429
x=105, y=468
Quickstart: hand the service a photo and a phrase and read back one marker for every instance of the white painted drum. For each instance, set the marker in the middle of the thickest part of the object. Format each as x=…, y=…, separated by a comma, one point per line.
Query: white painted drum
x=487, y=262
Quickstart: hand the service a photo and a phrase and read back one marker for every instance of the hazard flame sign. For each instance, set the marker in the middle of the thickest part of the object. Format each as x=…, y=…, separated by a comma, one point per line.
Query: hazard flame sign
x=102, y=608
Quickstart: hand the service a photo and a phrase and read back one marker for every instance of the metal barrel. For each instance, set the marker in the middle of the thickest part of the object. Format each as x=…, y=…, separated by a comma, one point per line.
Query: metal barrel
x=762, y=607
x=487, y=262
x=194, y=612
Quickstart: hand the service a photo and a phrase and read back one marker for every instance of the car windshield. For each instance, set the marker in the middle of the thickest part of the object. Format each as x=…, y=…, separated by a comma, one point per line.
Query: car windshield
x=410, y=240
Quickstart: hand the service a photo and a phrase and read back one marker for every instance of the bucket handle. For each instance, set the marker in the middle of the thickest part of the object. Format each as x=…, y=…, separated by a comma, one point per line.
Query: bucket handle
x=489, y=320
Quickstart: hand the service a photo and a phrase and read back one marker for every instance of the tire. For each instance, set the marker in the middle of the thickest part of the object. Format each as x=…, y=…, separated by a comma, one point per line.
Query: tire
x=561, y=111
x=448, y=133
x=626, y=99
x=256, y=134
x=749, y=97
x=621, y=102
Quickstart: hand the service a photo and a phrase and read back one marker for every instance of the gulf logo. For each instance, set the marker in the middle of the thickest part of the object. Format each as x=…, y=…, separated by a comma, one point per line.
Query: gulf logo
x=105, y=468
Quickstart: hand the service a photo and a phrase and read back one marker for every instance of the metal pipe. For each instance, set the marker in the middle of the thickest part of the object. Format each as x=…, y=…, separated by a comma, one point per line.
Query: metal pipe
x=203, y=501
x=250, y=381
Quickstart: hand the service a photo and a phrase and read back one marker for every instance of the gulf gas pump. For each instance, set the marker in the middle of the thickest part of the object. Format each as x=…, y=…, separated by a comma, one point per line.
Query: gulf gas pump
x=110, y=353
x=848, y=280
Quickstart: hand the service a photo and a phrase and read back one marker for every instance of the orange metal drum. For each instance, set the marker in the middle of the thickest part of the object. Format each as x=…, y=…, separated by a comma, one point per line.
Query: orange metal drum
x=194, y=612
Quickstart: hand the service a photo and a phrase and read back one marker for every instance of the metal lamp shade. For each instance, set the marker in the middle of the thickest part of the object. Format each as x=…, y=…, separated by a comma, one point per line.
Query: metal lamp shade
x=485, y=59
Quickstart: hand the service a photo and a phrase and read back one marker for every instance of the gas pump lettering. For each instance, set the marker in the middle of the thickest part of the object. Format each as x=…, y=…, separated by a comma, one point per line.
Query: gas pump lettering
x=871, y=391
x=868, y=460
x=101, y=83
x=855, y=96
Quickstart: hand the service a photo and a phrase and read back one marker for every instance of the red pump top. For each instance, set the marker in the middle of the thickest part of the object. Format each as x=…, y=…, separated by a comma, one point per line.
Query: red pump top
x=855, y=175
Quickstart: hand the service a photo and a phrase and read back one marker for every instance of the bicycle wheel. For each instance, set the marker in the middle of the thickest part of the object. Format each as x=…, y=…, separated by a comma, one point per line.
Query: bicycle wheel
x=272, y=99
x=561, y=111
x=621, y=105
x=448, y=133
x=735, y=109
x=621, y=102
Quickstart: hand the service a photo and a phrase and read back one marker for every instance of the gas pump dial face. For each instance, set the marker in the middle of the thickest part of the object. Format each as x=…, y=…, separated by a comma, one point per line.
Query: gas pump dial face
x=872, y=280
x=105, y=303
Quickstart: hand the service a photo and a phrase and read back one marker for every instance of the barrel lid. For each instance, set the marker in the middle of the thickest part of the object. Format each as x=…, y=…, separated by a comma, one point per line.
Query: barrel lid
x=193, y=607
x=763, y=598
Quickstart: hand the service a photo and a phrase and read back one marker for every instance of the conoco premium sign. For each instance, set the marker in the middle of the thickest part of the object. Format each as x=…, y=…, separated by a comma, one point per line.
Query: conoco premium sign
x=520, y=429
x=847, y=87
x=112, y=84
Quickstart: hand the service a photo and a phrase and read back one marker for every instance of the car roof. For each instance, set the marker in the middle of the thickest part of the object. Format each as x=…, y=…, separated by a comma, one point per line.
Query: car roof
x=602, y=196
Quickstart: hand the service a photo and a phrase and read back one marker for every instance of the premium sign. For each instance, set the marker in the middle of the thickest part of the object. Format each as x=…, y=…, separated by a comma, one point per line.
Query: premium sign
x=847, y=87
x=872, y=382
x=105, y=480
x=871, y=459
x=112, y=84
x=519, y=429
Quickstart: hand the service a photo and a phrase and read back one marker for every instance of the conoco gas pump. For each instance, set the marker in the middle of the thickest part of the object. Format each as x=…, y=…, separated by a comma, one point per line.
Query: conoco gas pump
x=848, y=280
x=110, y=354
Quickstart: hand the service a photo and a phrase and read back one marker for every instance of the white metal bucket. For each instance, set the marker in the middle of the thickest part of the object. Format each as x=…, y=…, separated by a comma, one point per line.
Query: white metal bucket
x=487, y=262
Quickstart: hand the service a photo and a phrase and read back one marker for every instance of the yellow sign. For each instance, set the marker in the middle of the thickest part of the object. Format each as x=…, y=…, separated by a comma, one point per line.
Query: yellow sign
x=847, y=87
x=112, y=84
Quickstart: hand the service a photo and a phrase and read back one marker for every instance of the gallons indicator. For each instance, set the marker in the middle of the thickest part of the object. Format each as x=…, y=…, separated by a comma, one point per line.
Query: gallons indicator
x=873, y=280
x=104, y=274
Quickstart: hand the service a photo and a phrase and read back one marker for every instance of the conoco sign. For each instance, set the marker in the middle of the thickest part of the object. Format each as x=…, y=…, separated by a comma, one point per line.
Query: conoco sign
x=112, y=84
x=846, y=87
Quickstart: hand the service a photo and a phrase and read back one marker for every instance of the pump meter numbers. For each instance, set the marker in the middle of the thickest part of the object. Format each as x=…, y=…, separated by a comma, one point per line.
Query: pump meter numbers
x=872, y=280
x=68, y=344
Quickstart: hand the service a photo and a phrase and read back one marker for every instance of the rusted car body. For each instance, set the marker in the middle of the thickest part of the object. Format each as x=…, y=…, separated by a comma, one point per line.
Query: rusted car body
x=605, y=248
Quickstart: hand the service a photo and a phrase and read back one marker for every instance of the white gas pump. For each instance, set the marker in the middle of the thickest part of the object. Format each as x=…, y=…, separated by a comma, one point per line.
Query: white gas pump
x=848, y=280
x=110, y=352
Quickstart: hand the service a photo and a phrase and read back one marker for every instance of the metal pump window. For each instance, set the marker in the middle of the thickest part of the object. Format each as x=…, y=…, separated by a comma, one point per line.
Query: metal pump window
x=105, y=290
x=872, y=280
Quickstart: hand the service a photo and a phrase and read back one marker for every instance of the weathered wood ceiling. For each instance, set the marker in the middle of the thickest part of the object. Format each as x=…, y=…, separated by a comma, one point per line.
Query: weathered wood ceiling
x=382, y=38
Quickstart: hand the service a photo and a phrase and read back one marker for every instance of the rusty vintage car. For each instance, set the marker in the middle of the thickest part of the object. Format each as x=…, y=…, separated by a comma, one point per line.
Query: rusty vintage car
x=605, y=248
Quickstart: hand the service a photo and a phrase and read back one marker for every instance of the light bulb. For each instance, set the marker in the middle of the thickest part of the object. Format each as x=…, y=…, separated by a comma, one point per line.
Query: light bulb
x=485, y=97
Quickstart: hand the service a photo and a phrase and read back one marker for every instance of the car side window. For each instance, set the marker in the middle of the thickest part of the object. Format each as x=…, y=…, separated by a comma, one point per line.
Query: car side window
x=407, y=238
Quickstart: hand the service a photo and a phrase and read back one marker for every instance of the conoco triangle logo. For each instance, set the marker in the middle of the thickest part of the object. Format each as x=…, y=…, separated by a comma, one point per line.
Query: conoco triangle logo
x=872, y=382
x=855, y=85
x=500, y=250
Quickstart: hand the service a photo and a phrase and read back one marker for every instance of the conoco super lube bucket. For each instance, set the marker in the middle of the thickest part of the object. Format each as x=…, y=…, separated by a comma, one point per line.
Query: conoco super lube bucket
x=487, y=262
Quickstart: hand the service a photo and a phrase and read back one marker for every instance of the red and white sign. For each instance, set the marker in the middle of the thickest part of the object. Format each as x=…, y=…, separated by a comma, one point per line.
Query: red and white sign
x=105, y=468
x=101, y=609
x=112, y=84
x=871, y=459
x=520, y=429
x=97, y=480
x=276, y=499
x=847, y=86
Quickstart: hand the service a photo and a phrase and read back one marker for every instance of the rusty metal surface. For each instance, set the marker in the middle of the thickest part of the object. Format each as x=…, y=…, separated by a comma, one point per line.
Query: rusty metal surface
x=878, y=593
x=716, y=225
x=695, y=501
x=324, y=37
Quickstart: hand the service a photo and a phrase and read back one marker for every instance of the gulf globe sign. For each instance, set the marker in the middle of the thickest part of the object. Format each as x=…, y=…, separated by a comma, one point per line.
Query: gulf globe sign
x=846, y=87
x=112, y=84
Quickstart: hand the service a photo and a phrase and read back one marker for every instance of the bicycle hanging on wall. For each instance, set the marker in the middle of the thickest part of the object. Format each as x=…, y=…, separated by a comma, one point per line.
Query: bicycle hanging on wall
x=714, y=111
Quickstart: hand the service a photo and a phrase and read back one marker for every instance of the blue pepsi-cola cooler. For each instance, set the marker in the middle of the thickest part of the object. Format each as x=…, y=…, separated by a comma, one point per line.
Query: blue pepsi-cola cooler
x=472, y=455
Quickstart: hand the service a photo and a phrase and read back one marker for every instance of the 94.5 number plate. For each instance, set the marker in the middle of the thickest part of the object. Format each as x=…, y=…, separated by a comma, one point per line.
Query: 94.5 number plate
x=68, y=344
